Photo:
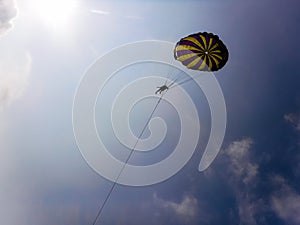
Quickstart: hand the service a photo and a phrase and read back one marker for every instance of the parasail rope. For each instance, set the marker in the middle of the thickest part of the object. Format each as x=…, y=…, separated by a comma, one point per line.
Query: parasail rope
x=125, y=163
x=180, y=83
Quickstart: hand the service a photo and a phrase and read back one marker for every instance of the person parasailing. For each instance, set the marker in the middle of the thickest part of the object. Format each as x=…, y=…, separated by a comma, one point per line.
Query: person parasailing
x=162, y=89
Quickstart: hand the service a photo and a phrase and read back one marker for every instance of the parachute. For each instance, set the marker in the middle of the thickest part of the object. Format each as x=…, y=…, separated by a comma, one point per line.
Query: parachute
x=201, y=51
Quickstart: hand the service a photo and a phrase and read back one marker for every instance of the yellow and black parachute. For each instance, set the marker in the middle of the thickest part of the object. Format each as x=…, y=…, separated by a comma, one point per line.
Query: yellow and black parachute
x=201, y=51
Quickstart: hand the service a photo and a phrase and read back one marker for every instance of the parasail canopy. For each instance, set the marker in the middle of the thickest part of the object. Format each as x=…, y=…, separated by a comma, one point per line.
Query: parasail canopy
x=201, y=51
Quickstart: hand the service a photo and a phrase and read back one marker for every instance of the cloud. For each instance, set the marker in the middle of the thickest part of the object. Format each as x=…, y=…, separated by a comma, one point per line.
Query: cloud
x=286, y=202
x=294, y=119
x=249, y=206
x=187, y=211
x=8, y=11
x=243, y=177
x=14, y=73
x=241, y=173
x=240, y=165
x=101, y=12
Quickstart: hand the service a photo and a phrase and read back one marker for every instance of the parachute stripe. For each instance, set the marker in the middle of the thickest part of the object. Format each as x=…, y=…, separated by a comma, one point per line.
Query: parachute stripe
x=189, y=60
x=210, y=43
x=194, y=62
x=216, y=55
x=186, y=57
x=187, y=47
x=215, y=60
x=196, y=42
x=204, y=41
x=198, y=65
x=186, y=52
x=215, y=51
x=210, y=65
x=203, y=64
x=188, y=43
x=215, y=46
x=200, y=41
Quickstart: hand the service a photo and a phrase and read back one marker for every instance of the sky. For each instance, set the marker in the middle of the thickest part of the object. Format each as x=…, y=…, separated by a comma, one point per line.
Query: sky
x=46, y=48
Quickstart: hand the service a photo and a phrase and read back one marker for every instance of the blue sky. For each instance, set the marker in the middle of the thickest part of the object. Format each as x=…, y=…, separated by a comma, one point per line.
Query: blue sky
x=254, y=179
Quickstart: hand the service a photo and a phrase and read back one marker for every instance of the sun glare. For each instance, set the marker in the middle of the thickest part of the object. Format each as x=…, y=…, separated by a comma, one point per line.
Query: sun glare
x=55, y=13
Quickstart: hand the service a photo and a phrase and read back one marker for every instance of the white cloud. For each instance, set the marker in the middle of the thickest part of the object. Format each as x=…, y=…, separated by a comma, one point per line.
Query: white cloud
x=294, y=119
x=241, y=174
x=187, y=211
x=249, y=206
x=286, y=202
x=14, y=74
x=8, y=11
x=240, y=163
x=101, y=12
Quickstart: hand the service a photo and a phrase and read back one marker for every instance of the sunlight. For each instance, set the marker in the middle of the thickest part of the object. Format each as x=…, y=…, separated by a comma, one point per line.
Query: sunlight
x=55, y=13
